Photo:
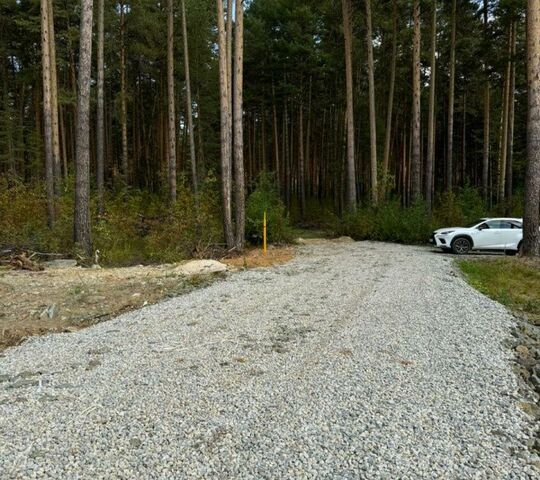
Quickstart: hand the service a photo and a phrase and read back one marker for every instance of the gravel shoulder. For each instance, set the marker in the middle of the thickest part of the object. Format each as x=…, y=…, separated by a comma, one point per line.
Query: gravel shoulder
x=354, y=360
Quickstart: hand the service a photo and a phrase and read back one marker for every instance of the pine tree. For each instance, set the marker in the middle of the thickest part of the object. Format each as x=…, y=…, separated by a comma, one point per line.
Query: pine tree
x=416, y=184
x=100, y=117
x=226, y=174
x=390, y=107
x=171, y=118
x=351, y=169
x=189, y=112
x=47, y=110
x=83, y=238
x=239, y=191
x=451, y=88
x=372, y=112
x=430, y=157
x=531, y=233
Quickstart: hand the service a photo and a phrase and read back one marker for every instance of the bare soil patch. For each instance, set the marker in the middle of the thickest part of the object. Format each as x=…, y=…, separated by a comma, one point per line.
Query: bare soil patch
x=68, y=299
x=63, y=300
x=256, y=258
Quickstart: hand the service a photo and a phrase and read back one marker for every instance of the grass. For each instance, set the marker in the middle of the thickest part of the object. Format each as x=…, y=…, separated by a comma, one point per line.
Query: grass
x=514, y=282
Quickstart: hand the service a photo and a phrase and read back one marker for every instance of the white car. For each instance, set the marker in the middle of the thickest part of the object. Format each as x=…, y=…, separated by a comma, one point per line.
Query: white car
x=503, y=234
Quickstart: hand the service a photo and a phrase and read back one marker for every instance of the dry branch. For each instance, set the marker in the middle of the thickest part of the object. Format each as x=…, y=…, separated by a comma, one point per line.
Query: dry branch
x=22, y=262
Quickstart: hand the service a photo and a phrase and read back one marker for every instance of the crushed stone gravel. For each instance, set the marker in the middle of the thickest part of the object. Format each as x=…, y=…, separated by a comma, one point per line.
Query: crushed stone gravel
x=355, y=360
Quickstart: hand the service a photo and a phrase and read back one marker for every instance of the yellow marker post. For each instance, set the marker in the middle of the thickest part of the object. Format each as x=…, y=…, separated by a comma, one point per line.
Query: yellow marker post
x=264, y=232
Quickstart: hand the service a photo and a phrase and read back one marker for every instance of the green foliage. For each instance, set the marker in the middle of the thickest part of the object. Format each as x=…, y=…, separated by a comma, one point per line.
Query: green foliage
x=294, y=58
x=265, y=198
x=138, y=227
x=389, y=222
x=459, y=208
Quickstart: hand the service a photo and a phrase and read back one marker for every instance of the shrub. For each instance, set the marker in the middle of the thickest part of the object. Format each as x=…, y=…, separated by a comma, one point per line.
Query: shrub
x=23, y=218
x=459, y=208
x=389, y=222
x=404, y=225
x=265, y=198
x=137, y=227
x=392, y=222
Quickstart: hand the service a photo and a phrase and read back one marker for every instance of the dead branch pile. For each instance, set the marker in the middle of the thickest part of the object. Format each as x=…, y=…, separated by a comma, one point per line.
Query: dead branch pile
x=22, y=262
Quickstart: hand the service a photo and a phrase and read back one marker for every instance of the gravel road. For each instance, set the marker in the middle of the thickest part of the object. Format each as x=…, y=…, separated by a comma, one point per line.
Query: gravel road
x=354, y=361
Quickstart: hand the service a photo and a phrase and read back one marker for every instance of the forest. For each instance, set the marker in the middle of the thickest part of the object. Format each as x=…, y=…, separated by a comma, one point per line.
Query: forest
x=153, y=131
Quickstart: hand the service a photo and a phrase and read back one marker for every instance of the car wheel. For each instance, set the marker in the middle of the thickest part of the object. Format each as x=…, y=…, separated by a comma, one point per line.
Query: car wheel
x=461, y=246
x=510, y=253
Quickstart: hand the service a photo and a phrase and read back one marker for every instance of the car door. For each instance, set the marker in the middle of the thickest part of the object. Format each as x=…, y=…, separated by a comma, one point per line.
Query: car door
x=513, y=234
x=505, y=235
x=489, y=235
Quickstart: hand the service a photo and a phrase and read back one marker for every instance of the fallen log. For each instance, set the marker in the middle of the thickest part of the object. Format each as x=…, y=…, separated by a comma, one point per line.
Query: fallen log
x=22, y=262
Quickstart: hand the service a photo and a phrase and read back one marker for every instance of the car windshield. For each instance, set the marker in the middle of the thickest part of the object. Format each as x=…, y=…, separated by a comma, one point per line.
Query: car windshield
x=473, y=224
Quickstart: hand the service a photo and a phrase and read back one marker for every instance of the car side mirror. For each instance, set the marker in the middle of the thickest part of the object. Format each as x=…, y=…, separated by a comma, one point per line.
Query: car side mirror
x=481, y=227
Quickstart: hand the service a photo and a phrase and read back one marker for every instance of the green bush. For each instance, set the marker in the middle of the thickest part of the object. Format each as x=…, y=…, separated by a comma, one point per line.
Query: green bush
x=23, y=218
x=137, y=227
x=140, y=227
x=453, y=209
x=389, y=222
x=180, y=235
x=265, y=198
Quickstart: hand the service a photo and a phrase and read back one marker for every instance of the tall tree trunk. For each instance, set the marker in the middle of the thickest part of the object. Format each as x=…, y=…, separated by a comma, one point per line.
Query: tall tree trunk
x=57, y=167
x=276, y=141
x=189, y=112
x=301, y=161
x=503, y=152
x=47, y=114
x=263, y=138
x=390, y=108
x=416, y=184
x=531, y=233
x=229, y=35
x=64, y=143
x=464, y=140
x=171, y=148
x=100, y=134
x=511, y=110
x=451, y=86
x=430, y=159
x=226, y=174
x=307, y=157
x=200, y=159
x=502, y=137
x=83, y=239
x=351, y=170
x=486, y=145
x=372, y=112
x=239, y=191
x=286, y=156
x=123, y=100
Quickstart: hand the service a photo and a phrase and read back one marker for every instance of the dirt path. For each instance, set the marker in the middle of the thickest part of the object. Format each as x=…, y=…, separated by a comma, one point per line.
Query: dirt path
x=360, y=360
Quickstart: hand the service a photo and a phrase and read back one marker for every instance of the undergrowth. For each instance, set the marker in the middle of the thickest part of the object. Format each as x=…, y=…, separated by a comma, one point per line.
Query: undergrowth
x=137, y=227
x=391, y=222
x=140, y=227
